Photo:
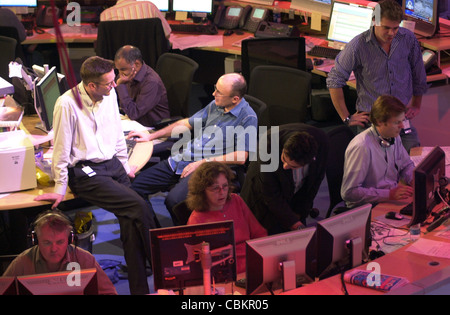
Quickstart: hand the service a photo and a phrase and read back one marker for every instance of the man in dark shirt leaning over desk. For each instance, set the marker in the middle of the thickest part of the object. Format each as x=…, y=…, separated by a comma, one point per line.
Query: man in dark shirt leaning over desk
x=142, y=94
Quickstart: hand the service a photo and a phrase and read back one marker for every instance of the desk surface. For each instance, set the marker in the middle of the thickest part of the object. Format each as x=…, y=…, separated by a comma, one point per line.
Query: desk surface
x=400, y=263
x=141, y=154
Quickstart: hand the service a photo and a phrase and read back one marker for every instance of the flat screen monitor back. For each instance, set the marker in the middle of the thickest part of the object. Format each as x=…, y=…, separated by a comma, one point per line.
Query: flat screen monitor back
x=59, y=283
x=176, y=254
x=426, y=184
x=265, y=256
x=333, y=235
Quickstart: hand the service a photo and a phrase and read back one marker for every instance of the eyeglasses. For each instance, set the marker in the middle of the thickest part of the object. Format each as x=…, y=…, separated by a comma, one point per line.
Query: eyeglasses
x=220, y=94
x=218, y=188
x=108, y=85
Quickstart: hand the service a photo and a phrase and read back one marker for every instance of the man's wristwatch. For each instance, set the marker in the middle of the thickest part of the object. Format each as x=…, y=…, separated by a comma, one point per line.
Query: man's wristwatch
x=347, y=120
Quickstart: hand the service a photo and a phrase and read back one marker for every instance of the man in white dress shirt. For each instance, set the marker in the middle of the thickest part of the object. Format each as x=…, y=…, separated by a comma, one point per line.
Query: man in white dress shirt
x=133, y=10
x=377, y=167
x=90, y=156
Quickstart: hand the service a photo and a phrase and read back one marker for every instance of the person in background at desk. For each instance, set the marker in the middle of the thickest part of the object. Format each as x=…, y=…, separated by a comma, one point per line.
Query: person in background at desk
x=211, y=141
x=211, y=200
x=133, y=10
x=282, y=199
x=142, y=94
x=90, y=155
x=386, y=59
x=54, y=248
x=377, y=167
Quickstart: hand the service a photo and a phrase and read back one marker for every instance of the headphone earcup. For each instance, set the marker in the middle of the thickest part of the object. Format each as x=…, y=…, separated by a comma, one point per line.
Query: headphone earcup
x=386, y=143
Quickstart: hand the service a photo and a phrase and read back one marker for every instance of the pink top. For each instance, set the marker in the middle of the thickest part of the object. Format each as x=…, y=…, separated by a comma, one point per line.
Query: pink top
x=246, y=226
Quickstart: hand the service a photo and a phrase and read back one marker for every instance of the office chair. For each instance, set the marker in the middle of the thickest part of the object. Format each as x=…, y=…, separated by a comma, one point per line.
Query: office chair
x=177, y=72
x=286, y=92
x=259, y=107
x=281, y=51
x=181, y=213
x=8, y=54
x=5, y=260
x=146, y=34
x=10, y=31
x=339, y=137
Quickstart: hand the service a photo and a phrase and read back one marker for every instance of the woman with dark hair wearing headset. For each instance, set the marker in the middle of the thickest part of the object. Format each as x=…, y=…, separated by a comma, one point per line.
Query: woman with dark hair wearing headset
x=55, y=250
x=377, y=167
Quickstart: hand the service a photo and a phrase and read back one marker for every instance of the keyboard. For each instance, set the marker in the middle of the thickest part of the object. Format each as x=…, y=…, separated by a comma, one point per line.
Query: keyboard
x=130, y=145
x=324, y=52
x=407, y=210
x=202, y=29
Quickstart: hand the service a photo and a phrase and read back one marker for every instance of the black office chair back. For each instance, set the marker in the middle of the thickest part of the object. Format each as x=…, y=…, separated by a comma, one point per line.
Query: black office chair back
x=177, y=72
x=259, y=107
x=286, y=92
x=12, y=32
x=181, y=213
x=5, y=261
x=146, y=34
x=7, y=55
x=339, y=138
x=282, y=51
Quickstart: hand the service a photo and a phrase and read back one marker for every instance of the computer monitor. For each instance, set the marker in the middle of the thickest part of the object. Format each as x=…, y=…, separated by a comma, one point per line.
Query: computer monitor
x=162, y=5
x=425, y=15
x=46, y=92
x=8, y=286
x=177, y=254
x=82, y=282
x=193, y=6
x=343, y=241
x=426, y=185
x=346, y=21
x=319, y=6
x=18, y=3
x=286, y=258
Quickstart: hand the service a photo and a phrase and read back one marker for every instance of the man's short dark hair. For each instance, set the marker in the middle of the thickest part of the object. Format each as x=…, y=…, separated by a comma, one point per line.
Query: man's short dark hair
x=129, y=53
x=391, y=10
x=301, y=147
x=94, y=67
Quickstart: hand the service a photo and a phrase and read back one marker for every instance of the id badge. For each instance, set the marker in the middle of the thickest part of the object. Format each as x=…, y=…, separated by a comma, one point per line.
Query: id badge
x=89, y=171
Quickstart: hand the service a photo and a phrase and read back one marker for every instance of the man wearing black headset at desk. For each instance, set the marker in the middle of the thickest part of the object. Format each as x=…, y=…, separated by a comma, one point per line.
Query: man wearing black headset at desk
x=377, y=167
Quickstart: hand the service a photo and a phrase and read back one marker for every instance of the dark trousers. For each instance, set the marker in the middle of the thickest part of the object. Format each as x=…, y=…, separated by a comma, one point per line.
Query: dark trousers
x=161, y=177
x=110, y=189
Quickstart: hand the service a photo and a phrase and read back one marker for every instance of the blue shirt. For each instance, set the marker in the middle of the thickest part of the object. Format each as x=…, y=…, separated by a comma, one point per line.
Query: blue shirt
x=400, y=74
x=217, y=133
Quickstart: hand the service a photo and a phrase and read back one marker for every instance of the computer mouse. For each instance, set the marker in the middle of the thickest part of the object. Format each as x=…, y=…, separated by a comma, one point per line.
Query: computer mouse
x=392, y=215
x=228, y=33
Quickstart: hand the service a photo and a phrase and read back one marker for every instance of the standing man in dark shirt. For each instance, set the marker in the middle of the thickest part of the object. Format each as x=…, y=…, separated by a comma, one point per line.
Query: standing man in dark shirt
x=142, y=95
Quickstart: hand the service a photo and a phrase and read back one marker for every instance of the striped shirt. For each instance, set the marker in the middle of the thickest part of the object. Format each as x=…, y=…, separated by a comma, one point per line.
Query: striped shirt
x=135, y=10
x=400, y=73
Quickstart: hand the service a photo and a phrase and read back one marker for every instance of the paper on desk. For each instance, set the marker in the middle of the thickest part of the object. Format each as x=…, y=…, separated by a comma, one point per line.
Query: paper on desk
x=183, y=42
x=129, y=125
x=430, y=248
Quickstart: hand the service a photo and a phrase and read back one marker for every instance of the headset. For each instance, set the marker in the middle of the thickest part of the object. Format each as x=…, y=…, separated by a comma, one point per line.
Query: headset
x=386, y=143
x=48, y=215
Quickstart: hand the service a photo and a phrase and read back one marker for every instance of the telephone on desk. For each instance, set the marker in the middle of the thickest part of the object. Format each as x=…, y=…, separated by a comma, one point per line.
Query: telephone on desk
x=233, y=17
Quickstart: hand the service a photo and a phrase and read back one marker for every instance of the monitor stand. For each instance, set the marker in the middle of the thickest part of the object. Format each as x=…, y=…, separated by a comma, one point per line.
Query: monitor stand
x=288, y=273
x=355, y=246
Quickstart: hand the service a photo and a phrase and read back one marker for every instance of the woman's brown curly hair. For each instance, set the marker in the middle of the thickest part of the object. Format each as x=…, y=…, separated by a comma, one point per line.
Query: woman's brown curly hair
x=203, y=177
